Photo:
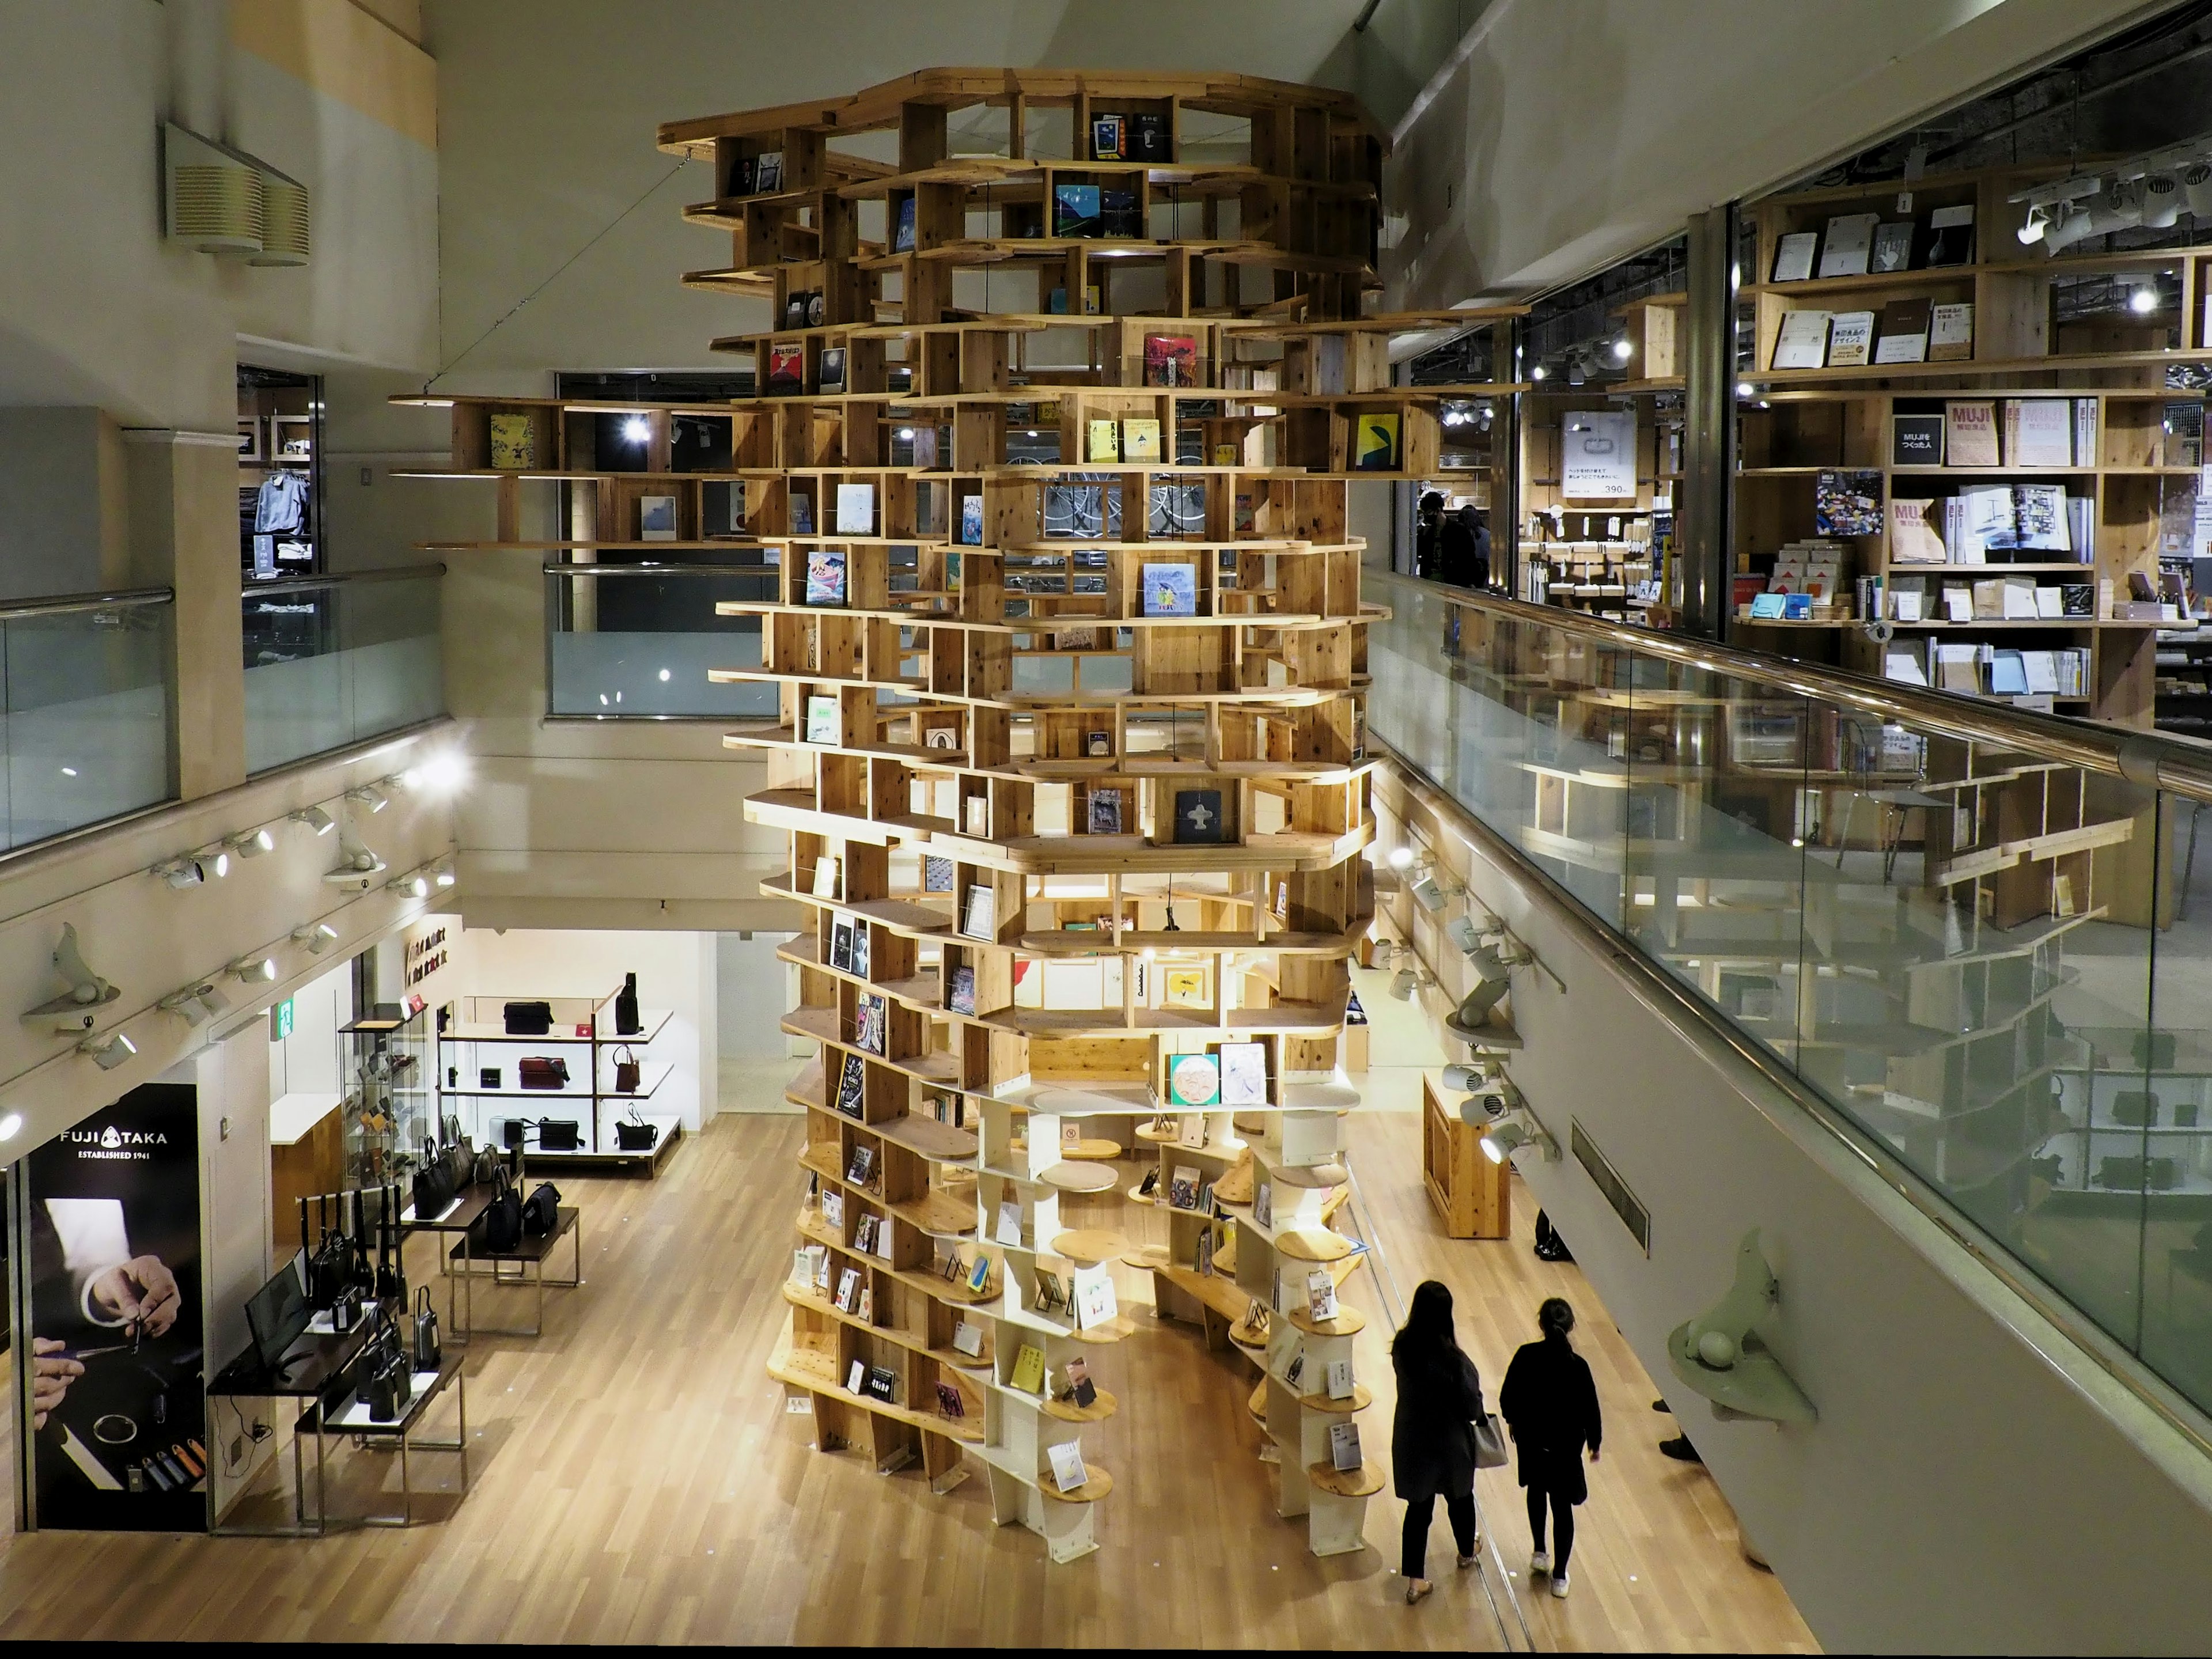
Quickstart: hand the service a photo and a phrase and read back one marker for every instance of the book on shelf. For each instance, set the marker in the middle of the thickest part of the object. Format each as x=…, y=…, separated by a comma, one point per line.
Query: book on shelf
x=1294, y=1368
x=824, y=721
x=903, y=234
x=1182, y=1188
x=802, y=1266
x=1958, y=603
x=861, y=949
x=1970, y=433
x=741, y=177
x=1102, y=441
x=1802, y=342
x=514, y=443
x=1847, y=503
x=967, y=1338
x=864, y=1235
x=1077, y=1382
x=1109, y=138
x=848, y=1289
x=1066, y=1458
x=1051, y=1291
x=2007, y=673
x=829, y=379
x=971, y=520
x=1340, y=1379
x=2038, y=432
x=2039, y=672
x=1893, y=247
x=1193, y=1081
x=1813, y=567
x=1075, y=211
x=826, y=569
x=1243, y=1073
x=841, y=946
x=1958, y=668
x=949, y=1402
x=960, y=996
x=1028, y=1374
x=872, y=1023
x=1321, y=1296
x=978, y=916
x=1793, y=256
x=1344, y=1447
x=1148, y=138
x=1850, y=340
x=1105, y=815
x=2010, y=518
x=1202, y=1257
x=656, y=517
x=1093, y=1288
x=1375, y=443
x=883, y=1382
x=1198, y=816
x=1171, y=360
x=1847, y=244
x=768, y=173
x=1169, y=590
x=976, y=815
x=936, y=874
x=1950, y=236
x=1008, y=1230
x=856, y=509
x=2085, y=432
x=851, y=1082
x=825, y=876
x=787, y=367
x=1190, y=1131
x=1912, y=539
x=1140, y=439
x=1916, y=440
x=1901, y=333
x=802, y=514
x=979, y=1273
x=862, y=1167
x=1951, y=332
x=1263, y=1204
x=1905, y=664
x=855, y=1378
x=2049, y=604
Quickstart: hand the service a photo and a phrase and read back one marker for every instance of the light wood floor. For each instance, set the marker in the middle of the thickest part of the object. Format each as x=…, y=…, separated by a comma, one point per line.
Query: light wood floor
x=638, y=1481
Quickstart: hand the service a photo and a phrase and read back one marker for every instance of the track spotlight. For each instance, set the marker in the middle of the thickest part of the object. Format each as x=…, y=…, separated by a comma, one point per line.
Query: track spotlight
x=1401, y=858
x=2039, y=221
x=186, y=1004
x=415, y=886
x=2162, y=201
x=1489, y=1100
x=11, y=1125
x=1434, y=895
x=369, y=795
x=1517, y=1128
x=315, y=818
x=254, y=970
x=212, y=998
x=1465, y=1079
x=1408, y=979
x=2197, y=187
x=317, y=938
x=446, y=876
x=181, y=873
x=2071, y=225
x=251, y=844
x=108, y=1052
x=1622, y=349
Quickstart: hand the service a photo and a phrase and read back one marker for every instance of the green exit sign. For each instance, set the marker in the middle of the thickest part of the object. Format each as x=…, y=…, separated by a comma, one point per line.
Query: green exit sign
x=280, y=1021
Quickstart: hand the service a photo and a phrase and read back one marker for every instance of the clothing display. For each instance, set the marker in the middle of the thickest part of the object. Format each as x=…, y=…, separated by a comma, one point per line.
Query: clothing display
x=281, y=505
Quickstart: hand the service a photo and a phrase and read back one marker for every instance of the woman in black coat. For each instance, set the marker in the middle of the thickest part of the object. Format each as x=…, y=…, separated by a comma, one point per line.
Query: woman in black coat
x=1550, y=1403
x=1432, y=1436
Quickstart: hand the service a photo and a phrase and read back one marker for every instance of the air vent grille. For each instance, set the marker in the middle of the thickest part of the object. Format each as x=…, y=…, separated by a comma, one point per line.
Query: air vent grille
x=1625, y=1205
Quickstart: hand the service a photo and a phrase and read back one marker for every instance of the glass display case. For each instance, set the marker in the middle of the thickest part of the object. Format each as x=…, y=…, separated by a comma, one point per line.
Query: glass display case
x=390, y=1098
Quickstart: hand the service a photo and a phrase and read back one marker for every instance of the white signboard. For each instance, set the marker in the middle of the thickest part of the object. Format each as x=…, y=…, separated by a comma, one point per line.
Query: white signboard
x=1597, y=455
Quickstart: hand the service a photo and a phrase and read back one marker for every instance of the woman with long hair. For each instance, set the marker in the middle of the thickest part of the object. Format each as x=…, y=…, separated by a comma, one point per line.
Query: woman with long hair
x=1432, y=1436
x=1550, y=1403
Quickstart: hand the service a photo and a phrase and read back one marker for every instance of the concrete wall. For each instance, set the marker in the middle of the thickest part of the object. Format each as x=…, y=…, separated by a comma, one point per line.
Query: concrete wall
x=1561, y=136
x=1974, y=1483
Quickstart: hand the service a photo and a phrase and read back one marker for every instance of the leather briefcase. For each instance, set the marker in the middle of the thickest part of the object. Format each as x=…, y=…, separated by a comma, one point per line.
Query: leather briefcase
x=528, y=1019
x=557, y=1134
x=541, y=1072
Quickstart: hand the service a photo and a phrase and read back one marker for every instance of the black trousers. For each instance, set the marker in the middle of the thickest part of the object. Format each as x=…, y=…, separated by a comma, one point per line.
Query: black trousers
x=1563, y=1527
x=1419, y=1513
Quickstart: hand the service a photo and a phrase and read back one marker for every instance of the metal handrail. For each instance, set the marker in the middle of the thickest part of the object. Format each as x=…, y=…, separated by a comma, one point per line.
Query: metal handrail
x=2155, y=759
x=118, y=598
x=658, y=569
x=343, y=579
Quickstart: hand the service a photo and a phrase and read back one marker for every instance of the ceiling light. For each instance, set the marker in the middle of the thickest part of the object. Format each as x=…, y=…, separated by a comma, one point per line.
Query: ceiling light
x=370, y=796
x=250, y=970
x=1401, y=858
x=418, y=886
x=2069, y=228
x=218, y=866
x=2039, y=221
x=446, y=875
x=317, y=939
x=314, y=818
x=1743, y=388
x=181, y=873
x=186, y=1004
x=11, y=1125
x=1537, y=373
x=252, y=843
x=2144, y=299
x=1622, y=349
x=2162, y=201
x=2197, y=187
x=1517, y=1128
x=109, y=1053
x=663, y=677
x=637, y=429
x=212, y=998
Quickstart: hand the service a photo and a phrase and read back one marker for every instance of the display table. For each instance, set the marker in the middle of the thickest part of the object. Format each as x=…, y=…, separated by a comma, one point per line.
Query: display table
x=353, y=1419
x=464, y=1213
x=528, y=1259
x=318, y=1362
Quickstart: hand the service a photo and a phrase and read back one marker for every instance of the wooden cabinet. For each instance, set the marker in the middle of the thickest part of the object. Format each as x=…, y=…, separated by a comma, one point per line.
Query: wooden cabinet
x=1473, y=1194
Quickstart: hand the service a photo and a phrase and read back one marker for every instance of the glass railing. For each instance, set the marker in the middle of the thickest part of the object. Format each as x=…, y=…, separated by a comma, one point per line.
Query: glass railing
x=636, y=641
x=331, y=660
x=1977, y=932
x=88, y=698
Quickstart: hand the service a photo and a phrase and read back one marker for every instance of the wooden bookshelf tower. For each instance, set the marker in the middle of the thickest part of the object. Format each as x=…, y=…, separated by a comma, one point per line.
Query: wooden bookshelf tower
x=1050, y=451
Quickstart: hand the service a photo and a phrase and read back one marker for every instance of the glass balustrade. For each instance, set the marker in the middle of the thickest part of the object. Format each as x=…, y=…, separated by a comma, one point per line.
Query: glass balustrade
x=86, y=717
x=1960, y=925
x=639, y=640
x=331, y=660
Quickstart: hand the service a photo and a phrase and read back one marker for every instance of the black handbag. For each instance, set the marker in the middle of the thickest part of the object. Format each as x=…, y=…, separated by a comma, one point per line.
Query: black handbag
x=434, y=1185
x=390, y=1388
x=489, y=1163
x=503, y=1219
x=541, y=1211
x=626, y=1022
x=528, y=1019
x=634, y=1134
x=331, y=1272
x=559, y=1135
x=628, y=1071
x=428, y=1356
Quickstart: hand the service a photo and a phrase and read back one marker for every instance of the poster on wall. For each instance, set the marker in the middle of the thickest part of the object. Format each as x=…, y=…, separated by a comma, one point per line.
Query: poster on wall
x=111, y=1226
x=1597, y=455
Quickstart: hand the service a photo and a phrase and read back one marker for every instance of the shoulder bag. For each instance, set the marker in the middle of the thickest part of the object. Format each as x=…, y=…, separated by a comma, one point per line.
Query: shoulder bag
x=502, y=1220
x=634, y=1134
x=434, y=1184
x=1490, y=1448
x=628, y=1071
x=427, y=1353
x=541, y=1211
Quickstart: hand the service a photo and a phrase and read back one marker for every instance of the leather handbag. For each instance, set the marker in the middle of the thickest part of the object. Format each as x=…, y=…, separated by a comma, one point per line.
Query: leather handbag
x=634, y=1134
x=502, y=1219
x=559, y=1135
x=627, y=1021
x=542, y=1071
x=541, y=1211
x=428, y=1356
x=528, y=1019
x=488, y=1165
x=331, y=1272
x=1490, y=1449
x=628, y=1071
x=390, y=1388
x=434, y=1185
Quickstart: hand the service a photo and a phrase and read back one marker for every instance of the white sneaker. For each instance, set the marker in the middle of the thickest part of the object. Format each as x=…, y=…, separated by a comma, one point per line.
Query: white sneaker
x=1539, y=1562
x=1559, y=1585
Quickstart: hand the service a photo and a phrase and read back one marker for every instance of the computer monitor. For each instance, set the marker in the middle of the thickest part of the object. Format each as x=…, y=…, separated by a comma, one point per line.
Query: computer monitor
x=277, y=1315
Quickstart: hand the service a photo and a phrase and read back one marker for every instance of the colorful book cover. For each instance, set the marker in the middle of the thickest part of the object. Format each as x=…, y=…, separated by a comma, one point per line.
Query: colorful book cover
x=1375, y=448
x=902, y=238
x=871, y=1025
x=1171, y=360
x=1170, y=590
x=1109, y=140
x=1102, y=442
x=1140, y=439
x=823, y=724
x=971, y=520
x=1028, y=1370
x=849, y=1086
x=787, y=367
x=1847, y=503
x=962, y=993
x=825, y=575
x=1075, y=209
x=514, y=443
x=1194, y=1080
x=1243, y=1073
x=1105, y=812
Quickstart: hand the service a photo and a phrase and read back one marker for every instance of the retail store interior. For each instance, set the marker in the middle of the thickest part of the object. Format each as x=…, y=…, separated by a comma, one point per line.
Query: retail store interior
x=971, y=825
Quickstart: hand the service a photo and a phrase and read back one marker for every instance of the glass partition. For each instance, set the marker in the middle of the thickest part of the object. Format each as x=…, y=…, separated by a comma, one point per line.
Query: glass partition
x=1986, y=949
x=331, y=660
x=641, y=641
x=87, y=711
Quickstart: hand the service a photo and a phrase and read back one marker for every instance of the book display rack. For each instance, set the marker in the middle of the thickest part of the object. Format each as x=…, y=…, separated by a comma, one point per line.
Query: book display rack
x=1981, y=446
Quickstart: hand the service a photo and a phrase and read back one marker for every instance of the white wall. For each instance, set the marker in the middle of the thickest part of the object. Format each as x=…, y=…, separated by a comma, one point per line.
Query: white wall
x=1974, y=1482
x=233, y=1076
x=675, y=970
x=306, y=1062
x=1566, y=136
